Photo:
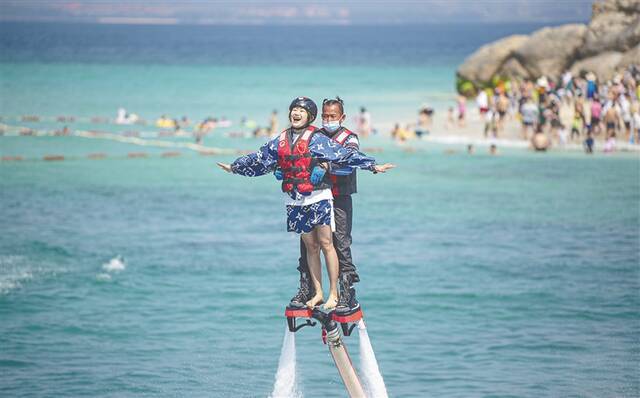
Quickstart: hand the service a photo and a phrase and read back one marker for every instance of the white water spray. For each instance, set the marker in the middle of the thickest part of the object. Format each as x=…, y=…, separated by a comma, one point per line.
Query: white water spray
x=116, y=264
x=372, y=381
x=286, y=385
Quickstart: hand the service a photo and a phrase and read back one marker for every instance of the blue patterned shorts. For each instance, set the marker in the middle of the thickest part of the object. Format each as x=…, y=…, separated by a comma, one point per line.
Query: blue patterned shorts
x=302, y=219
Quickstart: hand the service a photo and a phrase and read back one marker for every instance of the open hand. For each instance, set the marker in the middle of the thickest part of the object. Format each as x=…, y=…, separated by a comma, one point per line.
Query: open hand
x=226, y=167
x=381, y=168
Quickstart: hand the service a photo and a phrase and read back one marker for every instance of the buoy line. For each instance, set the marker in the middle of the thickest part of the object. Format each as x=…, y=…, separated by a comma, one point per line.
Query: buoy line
x=128, y=139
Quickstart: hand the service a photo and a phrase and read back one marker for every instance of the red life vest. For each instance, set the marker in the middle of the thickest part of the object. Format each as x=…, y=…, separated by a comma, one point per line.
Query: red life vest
x=339, y=183
x=295, y=162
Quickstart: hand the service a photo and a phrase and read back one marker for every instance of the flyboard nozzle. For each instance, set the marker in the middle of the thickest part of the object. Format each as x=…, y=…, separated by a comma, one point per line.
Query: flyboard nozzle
x=325, y=319
x=333, y=337
x=340, y=354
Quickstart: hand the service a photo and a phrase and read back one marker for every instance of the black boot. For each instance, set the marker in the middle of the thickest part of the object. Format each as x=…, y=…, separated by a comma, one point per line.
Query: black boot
x=305, y=291
x=347, y=302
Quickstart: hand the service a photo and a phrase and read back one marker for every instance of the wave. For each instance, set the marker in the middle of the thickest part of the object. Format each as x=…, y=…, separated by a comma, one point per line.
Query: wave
x=116, y=264
x=14, y=273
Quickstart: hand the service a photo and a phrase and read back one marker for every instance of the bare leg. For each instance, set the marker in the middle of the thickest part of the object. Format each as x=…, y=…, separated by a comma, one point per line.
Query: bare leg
x=315, y=270
x=325, y=240
x=627, y=132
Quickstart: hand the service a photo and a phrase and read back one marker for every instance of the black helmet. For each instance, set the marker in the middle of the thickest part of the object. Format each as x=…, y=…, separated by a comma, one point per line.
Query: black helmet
x=307, y=104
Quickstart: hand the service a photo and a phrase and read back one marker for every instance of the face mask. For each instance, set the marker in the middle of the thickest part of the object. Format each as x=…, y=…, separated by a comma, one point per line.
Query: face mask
x=331, y=126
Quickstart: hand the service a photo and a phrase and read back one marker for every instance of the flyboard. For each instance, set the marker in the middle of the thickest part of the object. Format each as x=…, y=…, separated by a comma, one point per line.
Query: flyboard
x=332, y=338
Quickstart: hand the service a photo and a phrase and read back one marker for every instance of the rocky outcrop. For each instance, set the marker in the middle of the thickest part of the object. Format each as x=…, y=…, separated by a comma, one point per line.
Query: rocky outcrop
x=630, y=57
x=610, y=41
x=513, y=68
x=549, y=50
x=614, y=26
x=604, y=64
x=485, y=63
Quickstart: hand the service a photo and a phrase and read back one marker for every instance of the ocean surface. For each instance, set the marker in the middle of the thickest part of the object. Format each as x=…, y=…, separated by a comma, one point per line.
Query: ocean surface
x=482, y=276
x=234, y=71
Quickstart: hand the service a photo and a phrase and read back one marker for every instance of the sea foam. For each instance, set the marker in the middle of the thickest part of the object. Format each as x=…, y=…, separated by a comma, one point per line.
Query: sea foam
x=116, y=264
x=103, y=277
x=14, y=271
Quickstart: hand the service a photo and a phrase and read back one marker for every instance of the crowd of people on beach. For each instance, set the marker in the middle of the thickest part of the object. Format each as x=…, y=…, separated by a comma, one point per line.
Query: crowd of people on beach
x=578, y=109
x=573, y=109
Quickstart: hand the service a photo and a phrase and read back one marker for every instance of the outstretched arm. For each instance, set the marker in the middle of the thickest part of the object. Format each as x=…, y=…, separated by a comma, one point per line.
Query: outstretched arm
x=327, y=150
x=351, y=142
x=255, y=164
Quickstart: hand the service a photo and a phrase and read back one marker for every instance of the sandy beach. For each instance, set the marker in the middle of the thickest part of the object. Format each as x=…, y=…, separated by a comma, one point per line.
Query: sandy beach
x=444, y=132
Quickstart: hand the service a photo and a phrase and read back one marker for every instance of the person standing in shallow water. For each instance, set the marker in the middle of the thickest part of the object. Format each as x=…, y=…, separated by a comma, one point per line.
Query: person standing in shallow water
x=298, y=154
x=364, y=122
x=273, y=123
x=462, y=110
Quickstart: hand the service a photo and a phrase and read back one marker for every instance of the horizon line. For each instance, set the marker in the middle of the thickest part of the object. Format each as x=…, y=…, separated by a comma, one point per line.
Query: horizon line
x=150, y=21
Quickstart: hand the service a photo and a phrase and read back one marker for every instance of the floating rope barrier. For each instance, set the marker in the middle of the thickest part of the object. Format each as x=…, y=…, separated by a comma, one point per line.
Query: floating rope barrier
x=137, y=155
x=51, y=158
x=96, y=156
x=71, y=119
x=171, y=122
x=125, y=136
x=13, y=131
x=11, y=158
x=132, y=138
x=156, y=143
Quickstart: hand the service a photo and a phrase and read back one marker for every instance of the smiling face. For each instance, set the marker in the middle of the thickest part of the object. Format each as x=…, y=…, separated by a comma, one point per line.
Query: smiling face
x=298, y=117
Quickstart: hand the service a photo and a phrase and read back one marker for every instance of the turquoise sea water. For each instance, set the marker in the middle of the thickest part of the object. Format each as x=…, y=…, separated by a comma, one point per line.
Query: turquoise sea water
x=88, y=70
x=515, y=275
x=198, y=91
x=481, y=276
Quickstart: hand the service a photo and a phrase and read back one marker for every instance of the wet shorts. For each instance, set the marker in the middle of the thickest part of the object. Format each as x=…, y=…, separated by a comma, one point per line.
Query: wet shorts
x=302, y=219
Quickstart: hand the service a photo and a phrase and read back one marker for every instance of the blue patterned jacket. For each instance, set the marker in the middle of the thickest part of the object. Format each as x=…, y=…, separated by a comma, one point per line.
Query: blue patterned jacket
x=321, y=148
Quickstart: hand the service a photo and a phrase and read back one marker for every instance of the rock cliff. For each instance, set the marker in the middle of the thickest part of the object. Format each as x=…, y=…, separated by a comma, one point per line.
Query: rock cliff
x=610, y=42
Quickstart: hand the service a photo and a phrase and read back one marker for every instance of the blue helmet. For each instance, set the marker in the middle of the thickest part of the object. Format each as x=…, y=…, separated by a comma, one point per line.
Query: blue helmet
x=308, y=105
